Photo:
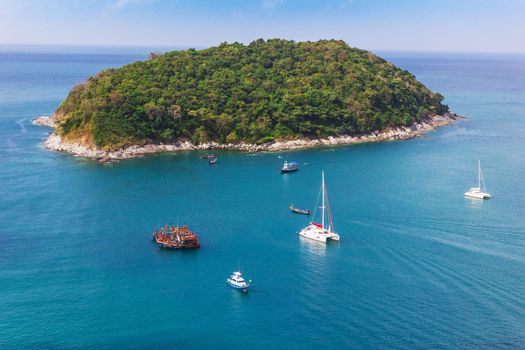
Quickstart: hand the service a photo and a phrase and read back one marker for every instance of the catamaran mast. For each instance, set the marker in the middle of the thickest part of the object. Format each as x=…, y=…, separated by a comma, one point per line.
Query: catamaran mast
x=322, y=205
x=481, y=178
x=479, y=175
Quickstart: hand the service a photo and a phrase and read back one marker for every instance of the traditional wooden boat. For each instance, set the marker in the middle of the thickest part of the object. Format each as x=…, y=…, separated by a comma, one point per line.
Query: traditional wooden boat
x=176, y=237
x=298, y=210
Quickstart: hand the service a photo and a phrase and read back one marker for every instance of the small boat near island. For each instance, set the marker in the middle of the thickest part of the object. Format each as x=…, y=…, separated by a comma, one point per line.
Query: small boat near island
x=289, y=167
x=212, y=161
x=209, y=156
x=320, y=232
x=176, y=237
x=476, y=192
x=298, y=210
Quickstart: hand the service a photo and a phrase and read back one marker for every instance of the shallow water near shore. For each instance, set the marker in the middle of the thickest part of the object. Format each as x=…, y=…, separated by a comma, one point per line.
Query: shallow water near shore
x=419, y=265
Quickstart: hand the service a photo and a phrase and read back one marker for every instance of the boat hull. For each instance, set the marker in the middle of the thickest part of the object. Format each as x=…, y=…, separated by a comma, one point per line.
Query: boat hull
x=477, y=194
x=243, y=289
x=317, y=234
x=172, y=245
x=314, y=237
x=299, y=211
x=284, y=171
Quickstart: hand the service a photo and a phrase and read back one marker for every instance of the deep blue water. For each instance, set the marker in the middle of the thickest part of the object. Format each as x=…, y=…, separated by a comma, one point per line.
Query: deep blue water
x=419, y=265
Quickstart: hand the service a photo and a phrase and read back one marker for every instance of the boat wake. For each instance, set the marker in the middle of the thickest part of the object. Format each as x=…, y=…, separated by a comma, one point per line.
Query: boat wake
x=486, y=240
x=461, y=131
x=457, y=243
x=22, y=126
x=10, y=141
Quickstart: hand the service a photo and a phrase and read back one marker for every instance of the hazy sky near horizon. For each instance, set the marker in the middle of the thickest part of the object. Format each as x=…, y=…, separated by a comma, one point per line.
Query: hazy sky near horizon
x=421, y=25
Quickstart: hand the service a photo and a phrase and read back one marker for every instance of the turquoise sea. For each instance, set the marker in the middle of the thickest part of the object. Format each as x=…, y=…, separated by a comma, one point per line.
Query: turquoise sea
x=419, y=266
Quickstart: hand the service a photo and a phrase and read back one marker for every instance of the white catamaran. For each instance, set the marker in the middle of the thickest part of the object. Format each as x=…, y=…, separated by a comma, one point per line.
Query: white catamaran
x=476, y=192
x=320, y=232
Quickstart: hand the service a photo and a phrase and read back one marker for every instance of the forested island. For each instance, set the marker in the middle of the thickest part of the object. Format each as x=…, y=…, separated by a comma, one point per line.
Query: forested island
x=269, y=92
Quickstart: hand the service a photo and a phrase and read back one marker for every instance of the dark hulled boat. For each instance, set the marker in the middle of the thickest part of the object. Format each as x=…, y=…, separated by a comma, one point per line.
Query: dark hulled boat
x=208, y=156
x=298, y=210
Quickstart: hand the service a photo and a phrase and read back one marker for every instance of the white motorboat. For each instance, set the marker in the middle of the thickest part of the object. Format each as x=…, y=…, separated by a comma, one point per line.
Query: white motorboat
x=320, y=232
x=476, y=192
x=238, y=282
x=289, y=167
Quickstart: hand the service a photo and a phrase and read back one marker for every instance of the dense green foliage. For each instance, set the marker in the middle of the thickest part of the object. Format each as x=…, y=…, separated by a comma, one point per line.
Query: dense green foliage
x=275, y=89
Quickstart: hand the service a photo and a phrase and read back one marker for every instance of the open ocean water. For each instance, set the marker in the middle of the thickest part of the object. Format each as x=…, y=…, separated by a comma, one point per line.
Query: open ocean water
x=419, y=265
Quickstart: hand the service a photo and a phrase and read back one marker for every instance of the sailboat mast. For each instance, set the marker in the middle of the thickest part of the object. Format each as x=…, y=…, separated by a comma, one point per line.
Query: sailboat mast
x=479, y=175
x=322, y=205
x=481, y=179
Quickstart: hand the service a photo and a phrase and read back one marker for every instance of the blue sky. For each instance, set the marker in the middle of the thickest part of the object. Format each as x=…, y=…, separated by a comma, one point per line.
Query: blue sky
x=420, y=25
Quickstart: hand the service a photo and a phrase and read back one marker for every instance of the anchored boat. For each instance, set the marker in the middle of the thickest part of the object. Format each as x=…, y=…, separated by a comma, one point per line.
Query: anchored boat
x=298, y=210
x=208, y=156
x=289, y=167
x=176, y=237
x=476, y=192
x=320, y=232
x=238, y=282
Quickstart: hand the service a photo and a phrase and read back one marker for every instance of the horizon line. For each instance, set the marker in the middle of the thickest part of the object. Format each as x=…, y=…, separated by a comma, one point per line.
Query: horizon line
x=202, y=47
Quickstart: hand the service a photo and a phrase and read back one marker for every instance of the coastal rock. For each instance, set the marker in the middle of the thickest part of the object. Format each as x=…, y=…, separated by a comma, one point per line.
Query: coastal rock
x=48, y=121
x=55, y=141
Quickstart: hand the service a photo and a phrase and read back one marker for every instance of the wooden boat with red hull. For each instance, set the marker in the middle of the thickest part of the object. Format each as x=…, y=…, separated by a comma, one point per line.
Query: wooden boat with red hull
x=176, y=237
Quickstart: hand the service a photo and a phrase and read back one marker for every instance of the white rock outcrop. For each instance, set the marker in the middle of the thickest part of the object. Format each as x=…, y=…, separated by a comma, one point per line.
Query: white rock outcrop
x=48, y=121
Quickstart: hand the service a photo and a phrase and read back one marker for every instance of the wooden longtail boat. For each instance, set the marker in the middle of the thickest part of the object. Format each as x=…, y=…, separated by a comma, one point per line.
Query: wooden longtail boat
x=298, y=210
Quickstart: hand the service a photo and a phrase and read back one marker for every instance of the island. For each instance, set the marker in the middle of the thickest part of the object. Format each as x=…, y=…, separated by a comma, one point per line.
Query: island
x=268, y=95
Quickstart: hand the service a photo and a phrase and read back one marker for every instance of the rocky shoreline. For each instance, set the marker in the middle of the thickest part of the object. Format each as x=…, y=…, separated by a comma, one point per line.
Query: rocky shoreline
x=45, y=121
x=55, y=141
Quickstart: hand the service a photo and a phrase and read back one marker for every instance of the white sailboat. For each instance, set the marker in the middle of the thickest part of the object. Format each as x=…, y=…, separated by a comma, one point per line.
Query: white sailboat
x=476, y=192
x=320, y=232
